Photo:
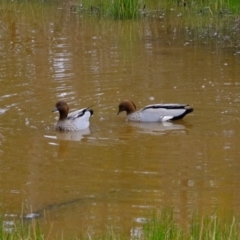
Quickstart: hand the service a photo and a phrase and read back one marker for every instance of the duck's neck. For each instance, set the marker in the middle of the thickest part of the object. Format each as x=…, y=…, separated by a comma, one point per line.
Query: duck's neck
x=63, y=115
x=131, y=108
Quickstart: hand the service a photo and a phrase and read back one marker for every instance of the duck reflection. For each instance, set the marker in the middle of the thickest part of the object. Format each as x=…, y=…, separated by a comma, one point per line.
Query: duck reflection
x=158, y=128
x=72, y=135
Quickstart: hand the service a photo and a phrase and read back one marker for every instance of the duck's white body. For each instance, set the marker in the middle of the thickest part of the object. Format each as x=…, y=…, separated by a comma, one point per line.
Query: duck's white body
x=154, y=112
x=158, y=113
x=77, y=120
x=74, y=121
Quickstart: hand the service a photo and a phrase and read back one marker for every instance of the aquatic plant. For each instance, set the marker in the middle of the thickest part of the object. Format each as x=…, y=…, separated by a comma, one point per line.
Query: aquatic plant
x=162, y=226
x=124, y=9
x=117, y=9
x=20, y=230
x=131, y=9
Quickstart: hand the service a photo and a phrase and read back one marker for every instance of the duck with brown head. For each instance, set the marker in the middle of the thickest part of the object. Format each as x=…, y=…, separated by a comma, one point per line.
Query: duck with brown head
x=128, y=106
x=154, y=112
x=74, y=121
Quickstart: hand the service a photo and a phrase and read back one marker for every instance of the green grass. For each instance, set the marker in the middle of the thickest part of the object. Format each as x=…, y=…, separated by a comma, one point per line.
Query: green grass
x=132, y=9
x=162, y=226
x=21, y=231
x=116, y=9
x=124, y=9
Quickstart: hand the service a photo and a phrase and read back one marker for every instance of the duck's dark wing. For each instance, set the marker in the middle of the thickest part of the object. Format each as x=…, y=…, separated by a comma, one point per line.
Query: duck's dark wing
x=79, y=113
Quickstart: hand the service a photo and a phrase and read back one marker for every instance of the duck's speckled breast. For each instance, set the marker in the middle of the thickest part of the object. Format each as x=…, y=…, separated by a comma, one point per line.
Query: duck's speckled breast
x=66, y=126
x=134, y=117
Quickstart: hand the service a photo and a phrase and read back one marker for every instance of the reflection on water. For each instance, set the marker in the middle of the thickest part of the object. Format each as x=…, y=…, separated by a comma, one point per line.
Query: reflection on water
x=73, y=136
x=70, y=135
x=159, y=128
x=129, y=168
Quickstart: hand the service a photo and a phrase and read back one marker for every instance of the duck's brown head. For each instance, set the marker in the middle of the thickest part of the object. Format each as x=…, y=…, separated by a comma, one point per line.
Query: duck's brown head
x=126, y=105
x=63, y=109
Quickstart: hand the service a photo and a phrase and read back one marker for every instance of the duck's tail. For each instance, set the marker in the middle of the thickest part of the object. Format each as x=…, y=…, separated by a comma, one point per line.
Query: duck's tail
x=188, y=110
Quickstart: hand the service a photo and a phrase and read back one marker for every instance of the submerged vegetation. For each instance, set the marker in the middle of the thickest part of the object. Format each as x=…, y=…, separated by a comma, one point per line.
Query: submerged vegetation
x=162, y=226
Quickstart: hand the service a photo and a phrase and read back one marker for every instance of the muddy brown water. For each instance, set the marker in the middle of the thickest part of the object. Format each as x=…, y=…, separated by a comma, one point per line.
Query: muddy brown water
x=114, y=174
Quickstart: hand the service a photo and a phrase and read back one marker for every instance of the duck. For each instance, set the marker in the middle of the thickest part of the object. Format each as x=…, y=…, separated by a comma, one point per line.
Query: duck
x=74, y=121
x=154, y=112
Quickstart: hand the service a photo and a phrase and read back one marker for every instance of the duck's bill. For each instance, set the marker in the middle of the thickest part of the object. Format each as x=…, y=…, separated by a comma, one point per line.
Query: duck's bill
x=55, y=109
